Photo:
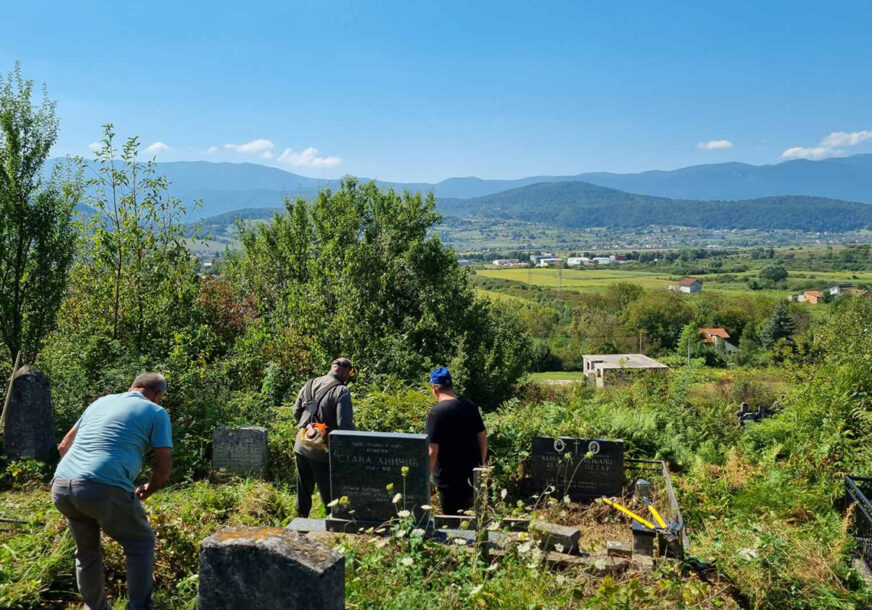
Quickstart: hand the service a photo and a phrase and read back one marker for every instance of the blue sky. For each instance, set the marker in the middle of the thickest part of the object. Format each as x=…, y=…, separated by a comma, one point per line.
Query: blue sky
x=423, y=91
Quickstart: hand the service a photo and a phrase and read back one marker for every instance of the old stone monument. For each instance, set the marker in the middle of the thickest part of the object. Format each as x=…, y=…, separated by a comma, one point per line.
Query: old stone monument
x=582, y=468
x=29, y=430
x=240, y=450
x=364, y=464
x=270, y=569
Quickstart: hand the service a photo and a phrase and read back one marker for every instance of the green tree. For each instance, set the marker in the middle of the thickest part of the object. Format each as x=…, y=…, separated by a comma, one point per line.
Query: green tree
x=357, y=273
x=780, y=326
x=135, y=283
x=661, y=315
x=773, y=273
x=37, y=239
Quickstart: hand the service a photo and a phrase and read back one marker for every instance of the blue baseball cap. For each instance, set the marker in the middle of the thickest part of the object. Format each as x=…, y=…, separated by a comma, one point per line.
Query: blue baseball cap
x=441, y=376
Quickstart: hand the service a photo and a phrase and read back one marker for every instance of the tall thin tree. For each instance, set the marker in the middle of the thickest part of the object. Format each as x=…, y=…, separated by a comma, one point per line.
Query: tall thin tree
x=37, y=238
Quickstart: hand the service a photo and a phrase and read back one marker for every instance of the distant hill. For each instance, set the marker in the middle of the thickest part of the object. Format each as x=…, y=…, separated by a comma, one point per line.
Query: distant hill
x=224, y=187
x=580, y=204
x=848, y=178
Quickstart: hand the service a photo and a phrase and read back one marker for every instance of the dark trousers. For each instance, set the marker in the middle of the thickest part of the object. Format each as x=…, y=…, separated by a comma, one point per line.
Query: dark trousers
x=455, y=499
x=310, y=472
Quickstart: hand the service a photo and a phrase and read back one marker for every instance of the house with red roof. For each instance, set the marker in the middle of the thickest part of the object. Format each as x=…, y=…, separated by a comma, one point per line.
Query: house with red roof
x=688, y=285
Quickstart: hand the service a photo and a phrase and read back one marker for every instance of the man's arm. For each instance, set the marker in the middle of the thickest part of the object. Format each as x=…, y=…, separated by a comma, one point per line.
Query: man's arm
x=67, y=441
x=344, y=412
x=434, y=454
x=298, y=405
x=482, y=445
x=162, y=464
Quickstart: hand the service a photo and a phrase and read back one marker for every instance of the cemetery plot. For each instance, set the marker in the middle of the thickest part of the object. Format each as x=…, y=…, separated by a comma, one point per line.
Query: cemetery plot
x=858, y=490
x=240, y=450
x=29, y=425
x=583, y=469
x=364, y=464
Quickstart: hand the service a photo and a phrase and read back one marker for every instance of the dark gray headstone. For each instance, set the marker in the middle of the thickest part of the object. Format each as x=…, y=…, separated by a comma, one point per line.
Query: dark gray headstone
x=269, y=568
x=363, y=464
x=240, y=450
x=29, y=430
x=563, y=463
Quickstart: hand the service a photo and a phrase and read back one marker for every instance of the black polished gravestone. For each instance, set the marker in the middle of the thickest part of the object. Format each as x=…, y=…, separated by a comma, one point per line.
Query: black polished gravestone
x=364, y=464
x=582, y=468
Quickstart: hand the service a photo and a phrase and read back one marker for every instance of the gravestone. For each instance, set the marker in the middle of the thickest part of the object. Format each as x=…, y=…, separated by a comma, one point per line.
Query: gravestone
x=269, y=568
x=564, y=463
x=29, y=430
x=363, y=464
x=240, y=450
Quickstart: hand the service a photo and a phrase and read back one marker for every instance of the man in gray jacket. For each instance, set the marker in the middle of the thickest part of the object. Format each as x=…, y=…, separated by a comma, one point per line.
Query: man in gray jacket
x=323, y=404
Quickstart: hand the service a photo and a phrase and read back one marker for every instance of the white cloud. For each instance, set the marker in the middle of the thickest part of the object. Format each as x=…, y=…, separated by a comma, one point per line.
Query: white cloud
x=156, y=148
x=266, y=154
x=715, y=144
x=255, y=146
x=308, y=157
x=830, y=146
x=211, y=150
x=841, y=138
x=95, y=146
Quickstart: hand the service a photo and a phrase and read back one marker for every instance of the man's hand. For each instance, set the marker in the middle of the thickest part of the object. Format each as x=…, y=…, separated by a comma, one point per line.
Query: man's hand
x=163, y=464
x=144, y=491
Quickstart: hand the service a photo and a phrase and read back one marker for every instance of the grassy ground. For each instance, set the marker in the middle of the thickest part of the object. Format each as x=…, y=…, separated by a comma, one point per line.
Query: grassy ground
x=557, y=376
x=584, y=280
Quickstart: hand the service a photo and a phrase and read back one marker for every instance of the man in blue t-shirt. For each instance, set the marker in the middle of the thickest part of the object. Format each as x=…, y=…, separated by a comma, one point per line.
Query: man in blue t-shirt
x=94, y=485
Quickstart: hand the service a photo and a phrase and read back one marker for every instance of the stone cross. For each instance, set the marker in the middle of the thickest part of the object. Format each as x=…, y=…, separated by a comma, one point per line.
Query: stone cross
x=269, y=568
x=240, y=450
x=29, y=431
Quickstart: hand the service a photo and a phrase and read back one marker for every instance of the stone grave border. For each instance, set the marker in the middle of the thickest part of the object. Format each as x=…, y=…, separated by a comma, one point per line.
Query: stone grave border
x=858, y=490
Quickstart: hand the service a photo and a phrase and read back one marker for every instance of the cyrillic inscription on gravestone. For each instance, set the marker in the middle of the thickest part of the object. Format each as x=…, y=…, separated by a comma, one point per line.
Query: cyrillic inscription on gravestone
x=581, y=468
x=363, y=464
x=240, y=450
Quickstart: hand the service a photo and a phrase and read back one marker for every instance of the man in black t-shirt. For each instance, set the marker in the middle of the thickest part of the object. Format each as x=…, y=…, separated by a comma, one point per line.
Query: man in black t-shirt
x=458, y=443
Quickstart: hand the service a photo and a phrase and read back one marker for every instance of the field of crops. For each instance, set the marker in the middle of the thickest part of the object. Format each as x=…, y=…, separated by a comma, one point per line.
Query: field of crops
x=582, y=280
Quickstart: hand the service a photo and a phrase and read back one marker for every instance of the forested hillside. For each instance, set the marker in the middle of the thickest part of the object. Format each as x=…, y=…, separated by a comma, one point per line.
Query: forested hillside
x=579, y=204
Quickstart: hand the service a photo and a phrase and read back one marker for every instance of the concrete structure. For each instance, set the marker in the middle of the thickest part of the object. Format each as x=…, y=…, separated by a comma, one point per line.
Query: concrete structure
x=577, y=261
x=269, y=568
x=29, y=427
x=535, y=258
x=506, y=262
x=549, y=262
x=688, y=285
x=603, y=369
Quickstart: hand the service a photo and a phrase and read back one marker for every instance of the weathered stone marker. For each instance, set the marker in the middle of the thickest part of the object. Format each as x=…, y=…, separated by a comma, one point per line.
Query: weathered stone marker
x=29, y=430
x=560, y=538
x=582, y=468
x=269, y=568
x=363, y=464
x=240, y=450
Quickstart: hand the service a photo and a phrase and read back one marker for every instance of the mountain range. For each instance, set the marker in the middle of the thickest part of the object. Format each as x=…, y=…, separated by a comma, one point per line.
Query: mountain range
x=225, y=187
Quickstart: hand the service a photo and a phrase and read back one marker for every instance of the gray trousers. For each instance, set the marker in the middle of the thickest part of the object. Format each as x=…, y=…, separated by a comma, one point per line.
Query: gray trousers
x=89, y=507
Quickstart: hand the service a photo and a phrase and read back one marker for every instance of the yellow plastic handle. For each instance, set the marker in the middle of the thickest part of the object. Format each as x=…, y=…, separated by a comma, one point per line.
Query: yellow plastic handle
x=630, y=513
